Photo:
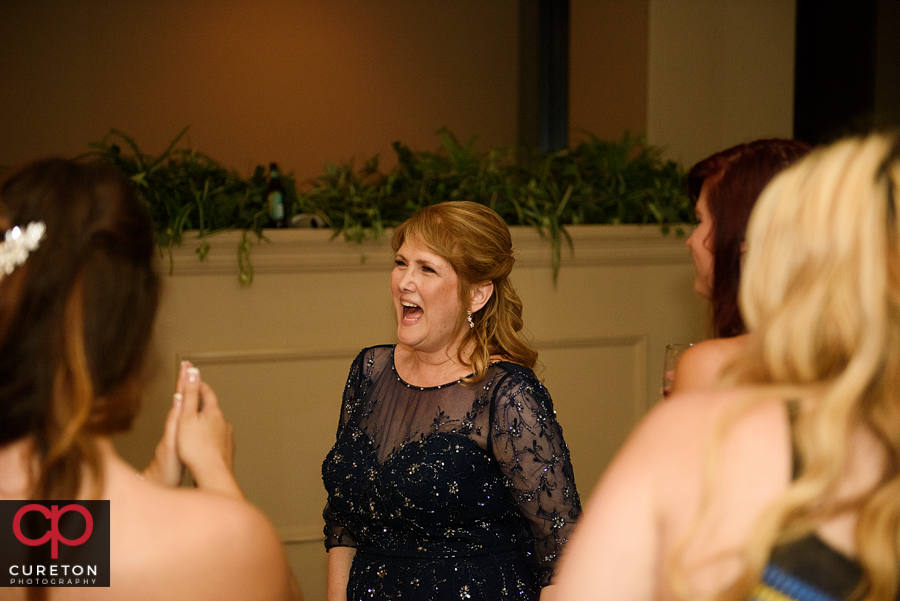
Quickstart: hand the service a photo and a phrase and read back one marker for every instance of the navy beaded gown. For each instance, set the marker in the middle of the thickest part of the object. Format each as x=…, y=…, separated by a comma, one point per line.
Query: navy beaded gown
x=448, y=492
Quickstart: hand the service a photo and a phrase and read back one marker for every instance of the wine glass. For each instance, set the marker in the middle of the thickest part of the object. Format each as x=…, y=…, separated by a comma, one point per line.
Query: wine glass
x=673, y=353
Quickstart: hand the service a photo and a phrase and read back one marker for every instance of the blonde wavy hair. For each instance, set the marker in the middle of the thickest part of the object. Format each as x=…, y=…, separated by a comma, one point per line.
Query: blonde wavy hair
x=821, y=296
x=477, y=244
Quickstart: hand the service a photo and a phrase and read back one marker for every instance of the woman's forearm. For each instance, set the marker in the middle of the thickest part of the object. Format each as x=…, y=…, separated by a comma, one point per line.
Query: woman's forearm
x=339, y=561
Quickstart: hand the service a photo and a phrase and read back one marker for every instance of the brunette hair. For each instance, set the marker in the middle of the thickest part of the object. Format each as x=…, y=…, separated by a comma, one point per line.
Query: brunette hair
x=476, y=242
x=76, y=317
x=734, y=179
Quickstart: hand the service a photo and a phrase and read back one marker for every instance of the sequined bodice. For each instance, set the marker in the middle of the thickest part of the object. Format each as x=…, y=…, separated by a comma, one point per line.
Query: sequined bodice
x=425, y=476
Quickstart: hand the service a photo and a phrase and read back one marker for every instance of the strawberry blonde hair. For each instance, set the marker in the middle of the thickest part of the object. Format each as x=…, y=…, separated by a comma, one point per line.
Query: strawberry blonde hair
x=477, y=244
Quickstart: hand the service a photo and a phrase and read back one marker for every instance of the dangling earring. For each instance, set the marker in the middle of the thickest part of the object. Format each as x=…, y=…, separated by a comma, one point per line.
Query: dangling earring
x=470, y=320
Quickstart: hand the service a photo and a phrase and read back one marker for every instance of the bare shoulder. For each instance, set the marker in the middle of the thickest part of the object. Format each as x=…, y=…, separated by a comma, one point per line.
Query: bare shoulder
x=687, y=415
x=675, y=435
x=700, y=366
x=220, y=516
x=666, y=446
x=650, y=496
x=197, y=545
x=234, y=539
x=697, y=411
x=747, y=434
x=621, y=535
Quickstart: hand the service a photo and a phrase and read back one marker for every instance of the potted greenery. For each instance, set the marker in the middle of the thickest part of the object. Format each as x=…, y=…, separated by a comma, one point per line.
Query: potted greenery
x=597, y=182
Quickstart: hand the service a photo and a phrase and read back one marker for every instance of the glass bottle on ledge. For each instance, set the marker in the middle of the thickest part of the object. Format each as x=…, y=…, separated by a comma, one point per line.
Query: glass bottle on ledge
x=275, y=198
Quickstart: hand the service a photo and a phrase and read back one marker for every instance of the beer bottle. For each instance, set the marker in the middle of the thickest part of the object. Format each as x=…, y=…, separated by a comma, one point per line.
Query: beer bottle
x=275, y=197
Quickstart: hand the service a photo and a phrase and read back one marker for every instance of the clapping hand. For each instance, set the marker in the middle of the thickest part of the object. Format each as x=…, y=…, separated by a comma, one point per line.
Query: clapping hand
x=166, y=468
x=204, y=440
x=196, y=435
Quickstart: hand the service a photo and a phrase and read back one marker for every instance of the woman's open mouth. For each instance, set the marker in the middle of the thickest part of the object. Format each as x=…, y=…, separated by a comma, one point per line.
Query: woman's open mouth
x=411, y=312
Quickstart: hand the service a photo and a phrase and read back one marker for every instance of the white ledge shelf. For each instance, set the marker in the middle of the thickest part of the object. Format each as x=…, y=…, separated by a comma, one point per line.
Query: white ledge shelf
x=312, y=250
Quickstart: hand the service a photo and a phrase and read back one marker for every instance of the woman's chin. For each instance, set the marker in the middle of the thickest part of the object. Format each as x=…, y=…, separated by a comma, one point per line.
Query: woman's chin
x=407, y=336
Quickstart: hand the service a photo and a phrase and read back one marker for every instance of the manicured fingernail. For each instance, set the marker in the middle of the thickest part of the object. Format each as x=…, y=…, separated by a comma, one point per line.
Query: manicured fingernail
x=177, y=399
x=193, y=374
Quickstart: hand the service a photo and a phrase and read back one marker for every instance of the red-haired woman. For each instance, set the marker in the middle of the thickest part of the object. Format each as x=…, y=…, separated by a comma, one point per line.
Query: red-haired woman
x=725, y=187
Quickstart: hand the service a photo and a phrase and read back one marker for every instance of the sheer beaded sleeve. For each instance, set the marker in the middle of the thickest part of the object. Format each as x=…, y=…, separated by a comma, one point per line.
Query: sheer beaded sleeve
x=336, y=535
x=527, y=442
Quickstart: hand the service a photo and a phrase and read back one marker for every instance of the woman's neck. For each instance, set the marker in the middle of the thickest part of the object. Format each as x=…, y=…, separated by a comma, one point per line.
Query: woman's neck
x=430, y=368
x=20, y=467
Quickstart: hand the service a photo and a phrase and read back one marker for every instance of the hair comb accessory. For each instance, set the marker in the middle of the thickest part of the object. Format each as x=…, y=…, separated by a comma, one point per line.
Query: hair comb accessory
x=18, y=243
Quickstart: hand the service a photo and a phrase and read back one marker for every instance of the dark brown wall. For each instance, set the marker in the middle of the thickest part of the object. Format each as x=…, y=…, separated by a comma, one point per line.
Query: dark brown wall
x=608, y=65
x=298, y=82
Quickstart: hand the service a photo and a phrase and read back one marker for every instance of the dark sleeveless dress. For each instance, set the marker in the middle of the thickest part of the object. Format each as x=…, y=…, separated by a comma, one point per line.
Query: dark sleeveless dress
x=449, y=492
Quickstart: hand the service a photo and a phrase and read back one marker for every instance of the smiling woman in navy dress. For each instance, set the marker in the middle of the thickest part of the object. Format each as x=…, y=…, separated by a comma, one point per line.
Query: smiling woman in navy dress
x=450, y=478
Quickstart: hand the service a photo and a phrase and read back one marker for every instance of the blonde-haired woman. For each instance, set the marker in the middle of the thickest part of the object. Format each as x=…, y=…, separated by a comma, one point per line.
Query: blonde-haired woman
x=450, y=478
x=788, y=485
